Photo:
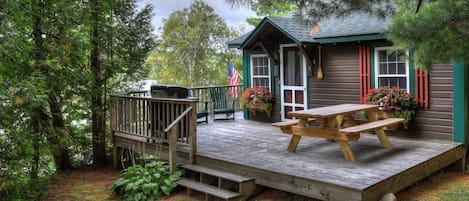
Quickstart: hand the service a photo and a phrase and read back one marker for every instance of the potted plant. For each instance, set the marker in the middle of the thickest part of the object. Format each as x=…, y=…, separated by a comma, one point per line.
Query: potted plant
x=257, y=99
x=393, y=102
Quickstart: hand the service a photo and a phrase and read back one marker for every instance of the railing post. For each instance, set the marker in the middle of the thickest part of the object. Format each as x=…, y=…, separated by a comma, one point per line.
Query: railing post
x=193, y=132
x=173, y=148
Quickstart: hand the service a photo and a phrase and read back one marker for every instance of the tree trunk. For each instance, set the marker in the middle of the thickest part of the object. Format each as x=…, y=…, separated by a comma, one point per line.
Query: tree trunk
x=61, y=152
x=97, y=94
x=37, y=115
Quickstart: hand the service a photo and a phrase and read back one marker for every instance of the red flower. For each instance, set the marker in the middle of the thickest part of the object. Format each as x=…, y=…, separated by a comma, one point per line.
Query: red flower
x=391, y=99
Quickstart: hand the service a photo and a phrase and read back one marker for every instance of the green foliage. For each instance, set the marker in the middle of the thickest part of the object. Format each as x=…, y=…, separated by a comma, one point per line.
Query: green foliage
x=146, y=183
x=45, y=82
x=270, y=8
x=436, y=31
x=192, y=48
x=317, y=10
x=439, y=32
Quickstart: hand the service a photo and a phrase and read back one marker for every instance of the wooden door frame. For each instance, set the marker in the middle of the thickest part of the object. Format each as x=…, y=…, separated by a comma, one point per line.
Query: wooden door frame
x=282, y=72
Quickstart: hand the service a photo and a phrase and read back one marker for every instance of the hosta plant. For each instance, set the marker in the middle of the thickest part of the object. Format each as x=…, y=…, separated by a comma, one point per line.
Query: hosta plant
x=150, y=182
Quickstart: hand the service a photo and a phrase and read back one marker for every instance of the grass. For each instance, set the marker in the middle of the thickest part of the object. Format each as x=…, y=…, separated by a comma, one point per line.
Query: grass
x=456, y=192
x=448, y=184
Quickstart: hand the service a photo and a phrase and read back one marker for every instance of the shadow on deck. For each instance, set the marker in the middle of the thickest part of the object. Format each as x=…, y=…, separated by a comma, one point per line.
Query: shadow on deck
x=318, y=168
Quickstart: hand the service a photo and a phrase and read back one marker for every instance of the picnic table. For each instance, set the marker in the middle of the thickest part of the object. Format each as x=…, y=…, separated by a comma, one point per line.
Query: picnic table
x=337, y=124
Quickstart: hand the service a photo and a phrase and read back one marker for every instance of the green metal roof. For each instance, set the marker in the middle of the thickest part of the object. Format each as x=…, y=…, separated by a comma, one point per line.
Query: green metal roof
x=354, y=27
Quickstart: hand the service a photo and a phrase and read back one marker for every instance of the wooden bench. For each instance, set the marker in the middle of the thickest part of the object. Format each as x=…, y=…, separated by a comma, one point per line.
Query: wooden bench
x=371, y=125
x=286, y=126
x=377, y=126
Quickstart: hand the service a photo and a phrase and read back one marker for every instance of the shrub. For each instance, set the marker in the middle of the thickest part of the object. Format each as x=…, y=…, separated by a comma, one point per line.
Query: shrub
x=146, y=183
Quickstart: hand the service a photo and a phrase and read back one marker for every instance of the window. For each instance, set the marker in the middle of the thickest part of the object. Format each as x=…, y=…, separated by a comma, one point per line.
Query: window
x=391, y=68
x=260, y=71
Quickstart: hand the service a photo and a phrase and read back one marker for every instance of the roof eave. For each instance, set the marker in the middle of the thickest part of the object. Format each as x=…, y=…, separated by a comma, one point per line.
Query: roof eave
x=278, y=27
x=234, y=46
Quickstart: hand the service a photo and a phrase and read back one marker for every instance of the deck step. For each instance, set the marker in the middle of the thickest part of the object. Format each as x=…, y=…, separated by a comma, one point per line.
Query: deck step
x=371, y=125
x=217, y=173
x=209, y=189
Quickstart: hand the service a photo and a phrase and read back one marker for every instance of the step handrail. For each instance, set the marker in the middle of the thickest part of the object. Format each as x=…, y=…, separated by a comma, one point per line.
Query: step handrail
x=178, y=119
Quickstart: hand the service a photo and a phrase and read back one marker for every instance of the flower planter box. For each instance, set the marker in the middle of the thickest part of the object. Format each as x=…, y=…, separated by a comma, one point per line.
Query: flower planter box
x=260, y=116
x=396, y=102
x=257, y=101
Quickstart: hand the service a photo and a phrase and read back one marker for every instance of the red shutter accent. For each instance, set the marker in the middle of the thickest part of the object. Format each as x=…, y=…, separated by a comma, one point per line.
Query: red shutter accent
x=421, y=87
x=364, y=62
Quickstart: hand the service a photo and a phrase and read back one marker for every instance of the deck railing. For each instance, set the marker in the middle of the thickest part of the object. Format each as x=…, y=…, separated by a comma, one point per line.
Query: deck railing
x=203, y=93
x=158, y=120
x=167, y=121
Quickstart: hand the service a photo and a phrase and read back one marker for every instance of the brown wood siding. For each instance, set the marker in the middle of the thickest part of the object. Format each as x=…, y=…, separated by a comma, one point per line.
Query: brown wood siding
x=341, y=81
x=341, y=85
x=436, y=121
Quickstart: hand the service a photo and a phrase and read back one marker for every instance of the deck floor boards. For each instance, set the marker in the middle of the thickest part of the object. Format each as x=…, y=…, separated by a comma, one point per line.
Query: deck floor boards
x=318, y=168
x=263, y=146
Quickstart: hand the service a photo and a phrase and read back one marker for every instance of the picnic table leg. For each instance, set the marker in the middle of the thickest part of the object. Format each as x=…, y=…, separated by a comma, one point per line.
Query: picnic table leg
x=383, y=138
x=295, y=139
x=345, y=147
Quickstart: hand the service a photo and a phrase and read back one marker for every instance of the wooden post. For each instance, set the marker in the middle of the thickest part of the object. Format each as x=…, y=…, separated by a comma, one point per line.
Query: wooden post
x=116, y=151
x=172, y=148
x=193, y=132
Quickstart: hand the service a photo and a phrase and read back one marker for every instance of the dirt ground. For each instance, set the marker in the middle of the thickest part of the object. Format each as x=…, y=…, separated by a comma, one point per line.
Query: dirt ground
x=93, y=184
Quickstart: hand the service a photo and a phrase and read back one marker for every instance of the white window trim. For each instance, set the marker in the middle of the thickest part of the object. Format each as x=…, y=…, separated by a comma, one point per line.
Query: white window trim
x=262, y=76
x=376, y=59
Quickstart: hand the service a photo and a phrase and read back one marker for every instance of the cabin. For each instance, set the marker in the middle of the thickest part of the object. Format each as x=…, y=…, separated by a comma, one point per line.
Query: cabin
x=333, y=63
x=339, y=60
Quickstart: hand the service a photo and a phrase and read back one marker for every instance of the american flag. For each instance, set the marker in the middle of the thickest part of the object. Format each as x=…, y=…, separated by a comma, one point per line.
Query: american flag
x=233, y=77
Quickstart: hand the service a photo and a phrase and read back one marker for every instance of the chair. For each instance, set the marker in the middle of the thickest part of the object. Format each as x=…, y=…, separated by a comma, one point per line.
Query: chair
x=220, y=104
x=202, y=111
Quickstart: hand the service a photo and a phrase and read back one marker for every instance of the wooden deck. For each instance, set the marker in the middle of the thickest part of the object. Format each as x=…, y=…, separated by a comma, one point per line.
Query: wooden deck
x=318, y=168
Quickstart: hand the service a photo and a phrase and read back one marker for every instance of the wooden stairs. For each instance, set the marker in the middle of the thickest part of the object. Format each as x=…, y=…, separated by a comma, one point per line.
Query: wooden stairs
x=216, y=183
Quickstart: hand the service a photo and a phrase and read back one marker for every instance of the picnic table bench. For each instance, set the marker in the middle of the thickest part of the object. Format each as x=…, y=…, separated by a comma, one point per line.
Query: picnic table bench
x=337, y=124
